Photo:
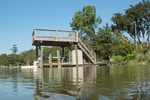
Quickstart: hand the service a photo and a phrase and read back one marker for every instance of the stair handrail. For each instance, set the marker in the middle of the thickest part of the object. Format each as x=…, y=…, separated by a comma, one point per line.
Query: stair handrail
x=85, y=42
x=90, y=51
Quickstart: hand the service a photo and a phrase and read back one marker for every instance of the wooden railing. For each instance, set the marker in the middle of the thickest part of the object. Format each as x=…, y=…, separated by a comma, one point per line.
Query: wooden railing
x=87, y=50
x=54, y=35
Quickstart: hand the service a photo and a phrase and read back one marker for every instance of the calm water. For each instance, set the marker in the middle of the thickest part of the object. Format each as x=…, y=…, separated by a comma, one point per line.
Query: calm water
x=84, y=83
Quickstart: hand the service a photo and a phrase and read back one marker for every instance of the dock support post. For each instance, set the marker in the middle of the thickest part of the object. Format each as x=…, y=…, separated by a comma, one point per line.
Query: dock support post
x=41, y=55
x=50, y=74
x=50, y=60
x=70, y=54
x=76, y=48
x=63, y=54
x=76, y=55
x=59, y=74
x=58, y=58
x=36, y=52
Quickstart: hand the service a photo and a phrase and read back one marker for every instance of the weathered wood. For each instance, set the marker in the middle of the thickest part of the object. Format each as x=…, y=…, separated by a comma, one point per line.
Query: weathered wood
x=41, y=63
x=36, y=52
x=70, y=54
x=87, y=50
x=76, y=48
x=53, y=37
x=91, y=57
x=50, y=60
x=58, y=58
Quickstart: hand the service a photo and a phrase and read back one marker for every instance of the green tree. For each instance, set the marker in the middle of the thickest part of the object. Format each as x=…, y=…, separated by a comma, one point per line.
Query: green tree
x=14, y=49
x=13, y=59
x=123, y=45
x=27, y=56
x=135, y=21
x=103, y=43
x=107, y=43
x=86, y=22
x=3, y=59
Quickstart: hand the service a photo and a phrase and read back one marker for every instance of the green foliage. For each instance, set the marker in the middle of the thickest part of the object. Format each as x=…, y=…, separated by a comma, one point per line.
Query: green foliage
x=129, y=57
x=142, y=57
x=123, y=46
x=3, y=59
x=107, y=43
x=135, y=21
x=85, y=21
x=118, y=58
x=27, y=56
x=14, y=49
x=103, y=43
x=13, y=59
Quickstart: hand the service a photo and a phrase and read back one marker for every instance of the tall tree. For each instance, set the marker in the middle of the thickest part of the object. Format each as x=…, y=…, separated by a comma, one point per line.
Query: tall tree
x=135, y=21
x=86, y=22
x=103, y=43
x=14, y=49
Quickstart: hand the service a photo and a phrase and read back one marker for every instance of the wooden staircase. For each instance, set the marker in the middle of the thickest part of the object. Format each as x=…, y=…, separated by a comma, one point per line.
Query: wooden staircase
x=87, y=50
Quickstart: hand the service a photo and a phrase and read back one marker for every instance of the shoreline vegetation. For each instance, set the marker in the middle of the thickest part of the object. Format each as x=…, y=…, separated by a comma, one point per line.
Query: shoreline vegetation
x=130, y=63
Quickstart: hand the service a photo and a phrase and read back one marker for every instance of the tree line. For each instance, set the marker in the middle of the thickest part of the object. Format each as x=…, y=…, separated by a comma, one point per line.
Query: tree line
x=108, y=41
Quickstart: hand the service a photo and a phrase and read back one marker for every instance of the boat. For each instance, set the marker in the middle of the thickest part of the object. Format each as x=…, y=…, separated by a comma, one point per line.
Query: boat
x=29, y=67
x=35, y=65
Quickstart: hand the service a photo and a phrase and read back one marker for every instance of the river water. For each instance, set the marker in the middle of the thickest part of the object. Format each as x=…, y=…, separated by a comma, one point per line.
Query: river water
x=71, y=83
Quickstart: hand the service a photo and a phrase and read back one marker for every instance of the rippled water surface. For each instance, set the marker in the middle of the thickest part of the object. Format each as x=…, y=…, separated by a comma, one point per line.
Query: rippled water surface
x=71, y=83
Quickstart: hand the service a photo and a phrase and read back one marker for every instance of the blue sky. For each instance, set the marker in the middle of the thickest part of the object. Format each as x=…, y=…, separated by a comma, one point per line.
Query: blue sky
x=18, y=18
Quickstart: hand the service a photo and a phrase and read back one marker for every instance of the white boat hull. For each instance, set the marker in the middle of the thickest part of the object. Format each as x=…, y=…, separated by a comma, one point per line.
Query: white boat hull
x=29, y=66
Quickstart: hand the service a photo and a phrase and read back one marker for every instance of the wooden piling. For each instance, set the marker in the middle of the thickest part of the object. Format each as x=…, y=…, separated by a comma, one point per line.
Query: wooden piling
x=36, y=52
x=41, y=55
x=70, y=54
x=58, y=58
x=50, y=60
x=76, y=55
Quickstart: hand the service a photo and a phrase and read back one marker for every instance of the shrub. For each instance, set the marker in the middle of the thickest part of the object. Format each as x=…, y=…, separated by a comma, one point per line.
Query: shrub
x=130, y=57
x=140, y=58
x=118, y=58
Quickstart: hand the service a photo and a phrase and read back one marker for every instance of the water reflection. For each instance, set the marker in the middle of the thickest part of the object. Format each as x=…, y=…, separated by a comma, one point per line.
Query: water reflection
x=97, y=83
x=68, y=83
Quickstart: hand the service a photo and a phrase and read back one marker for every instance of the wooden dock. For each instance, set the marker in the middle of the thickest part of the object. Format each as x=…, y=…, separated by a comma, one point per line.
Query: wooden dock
x=62, y=38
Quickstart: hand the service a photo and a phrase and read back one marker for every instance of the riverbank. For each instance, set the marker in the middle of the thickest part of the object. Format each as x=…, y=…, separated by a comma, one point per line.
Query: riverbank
x=130, y=63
